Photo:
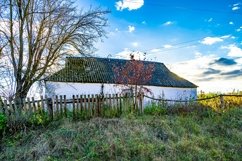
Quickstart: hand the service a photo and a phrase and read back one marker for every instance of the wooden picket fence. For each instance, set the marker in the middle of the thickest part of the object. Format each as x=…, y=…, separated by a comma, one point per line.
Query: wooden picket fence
x=59, y=106
x=96, y=105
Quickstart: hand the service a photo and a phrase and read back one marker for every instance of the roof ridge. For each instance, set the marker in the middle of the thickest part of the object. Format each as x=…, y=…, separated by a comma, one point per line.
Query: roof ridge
x=148, y=61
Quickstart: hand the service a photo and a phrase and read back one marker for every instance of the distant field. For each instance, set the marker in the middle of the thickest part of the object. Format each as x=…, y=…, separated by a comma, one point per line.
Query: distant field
x=193, y=136
x=230, y=100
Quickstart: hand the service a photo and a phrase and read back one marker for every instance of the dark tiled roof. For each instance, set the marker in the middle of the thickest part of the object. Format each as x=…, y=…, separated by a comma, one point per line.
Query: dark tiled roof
x=100, y=70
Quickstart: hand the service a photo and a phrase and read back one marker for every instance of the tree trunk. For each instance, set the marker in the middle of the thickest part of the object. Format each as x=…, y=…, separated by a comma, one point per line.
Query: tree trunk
x=135, y=97
x=20, y=95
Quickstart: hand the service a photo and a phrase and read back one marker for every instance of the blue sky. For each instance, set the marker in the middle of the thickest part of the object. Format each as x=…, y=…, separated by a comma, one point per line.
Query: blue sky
x=199, y=40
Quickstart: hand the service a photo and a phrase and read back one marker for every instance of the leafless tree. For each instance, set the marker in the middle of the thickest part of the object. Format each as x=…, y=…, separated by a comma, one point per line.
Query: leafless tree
x=36, y=34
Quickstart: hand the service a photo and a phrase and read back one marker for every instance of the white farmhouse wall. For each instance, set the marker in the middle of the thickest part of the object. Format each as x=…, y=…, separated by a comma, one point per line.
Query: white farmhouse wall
x=69, y=89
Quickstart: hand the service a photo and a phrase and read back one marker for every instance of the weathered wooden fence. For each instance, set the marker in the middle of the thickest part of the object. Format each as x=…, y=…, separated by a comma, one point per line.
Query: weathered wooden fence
x=217, y=102
x=79, y=105
x=98, y=105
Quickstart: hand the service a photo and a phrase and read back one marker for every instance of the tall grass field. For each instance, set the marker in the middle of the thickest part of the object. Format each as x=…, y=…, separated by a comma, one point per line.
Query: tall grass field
x=197, y=135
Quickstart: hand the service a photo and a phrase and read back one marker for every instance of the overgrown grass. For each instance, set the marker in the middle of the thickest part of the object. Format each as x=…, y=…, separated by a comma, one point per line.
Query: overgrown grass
x=229, y=101
x=205, y=135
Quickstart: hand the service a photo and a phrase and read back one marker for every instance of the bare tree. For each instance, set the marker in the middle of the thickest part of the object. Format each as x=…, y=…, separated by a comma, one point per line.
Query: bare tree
x=36, y=34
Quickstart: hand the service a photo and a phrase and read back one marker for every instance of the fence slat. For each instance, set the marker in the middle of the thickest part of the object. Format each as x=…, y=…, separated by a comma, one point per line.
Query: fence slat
x=85, y=103
x=110, y=101
x=89, y=103
x=6, y=107
x=42, y=109
x=221, y=102
x=113, y=101
x=120, y=103
x=2, y=106
x=141, y=102
x=57, y=106
x=73, y=107
x=38, y=105
x=77, y=103
x=33, y=103
x=93, y=100
x=97, y=108
x=61, y=106
x=15, y=108
x=50, y=108
x=30, y=110
x=81, y=103
x=65, y=107
x=117, y=104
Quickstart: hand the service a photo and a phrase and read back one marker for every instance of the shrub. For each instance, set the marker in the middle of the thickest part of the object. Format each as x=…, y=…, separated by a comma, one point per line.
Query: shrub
x=109, y=112
x=39, y=118
x=153, y=109
x=3, y=124
x=3, y=121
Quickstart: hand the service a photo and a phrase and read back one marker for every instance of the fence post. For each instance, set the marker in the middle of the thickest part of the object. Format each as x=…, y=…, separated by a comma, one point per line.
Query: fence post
x=93, y=98
x=57, y=110
x=73, y=108
x=141, y=102
x=65, y=108
x=221, y=102
x=2, y=106
x=34, y=106
x=50, y=108
x=81, y=103
x=120, y=103
x=42, y=104
x=89, y=105
x=98, y=105
x=61, y=106
x=77, y=103
x=5, y=104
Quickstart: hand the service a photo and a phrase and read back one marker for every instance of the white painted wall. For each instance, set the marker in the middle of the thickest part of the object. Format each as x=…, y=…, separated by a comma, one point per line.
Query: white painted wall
x=69, y=89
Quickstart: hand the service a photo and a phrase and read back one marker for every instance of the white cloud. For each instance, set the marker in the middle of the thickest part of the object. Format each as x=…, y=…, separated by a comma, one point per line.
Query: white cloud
x=135, y=44
x=234, y=51
x=225, y=36
x=125, y=54
x=238, y=30
x=168, y=23
x=213, y=40
x=210, y=20
x=194, y=70
x=129, y=4
x=155, y=50
x=231, y=23
x=236, y=6
x=144, y=22
x=131, y=28
x=198, y=54
x=167, y=46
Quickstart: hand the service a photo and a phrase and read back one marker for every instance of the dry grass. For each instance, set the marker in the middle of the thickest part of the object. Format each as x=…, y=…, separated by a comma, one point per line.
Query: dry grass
x=195, y=136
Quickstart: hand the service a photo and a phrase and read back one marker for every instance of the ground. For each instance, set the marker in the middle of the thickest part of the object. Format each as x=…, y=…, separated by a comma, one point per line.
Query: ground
x=194, y=136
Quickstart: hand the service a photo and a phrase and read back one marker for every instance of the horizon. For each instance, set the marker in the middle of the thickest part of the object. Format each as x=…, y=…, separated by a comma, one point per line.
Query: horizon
x=201, y=44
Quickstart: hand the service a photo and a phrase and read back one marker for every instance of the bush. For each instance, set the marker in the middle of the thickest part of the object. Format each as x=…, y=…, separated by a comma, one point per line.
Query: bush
x=39, y=118
x=3, y=122
x=153, y=109
x=109, y=112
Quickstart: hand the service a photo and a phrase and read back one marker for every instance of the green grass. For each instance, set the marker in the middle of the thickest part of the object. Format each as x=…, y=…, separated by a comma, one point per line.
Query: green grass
x=195, y=136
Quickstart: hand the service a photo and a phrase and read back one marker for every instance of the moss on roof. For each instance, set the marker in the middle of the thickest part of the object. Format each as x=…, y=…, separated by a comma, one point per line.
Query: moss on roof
x=100, y=70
